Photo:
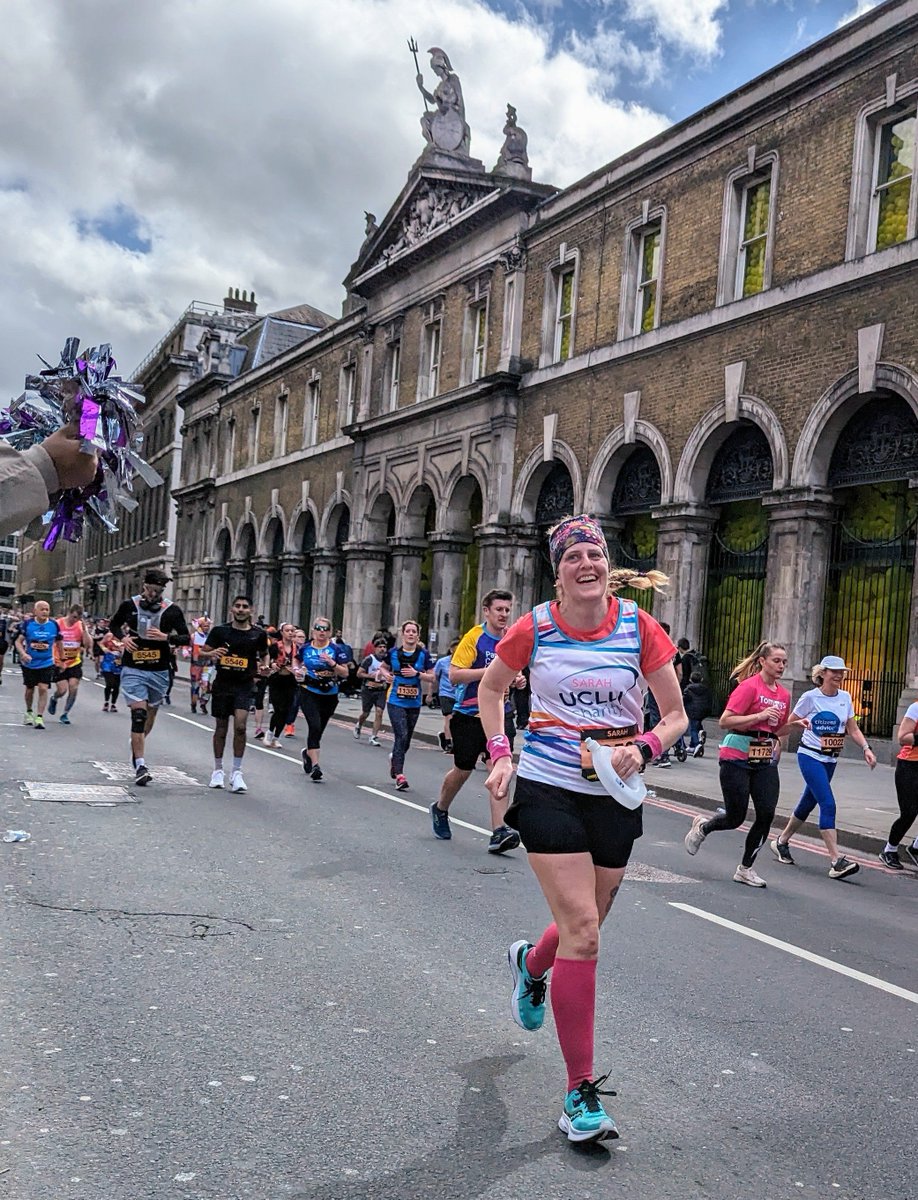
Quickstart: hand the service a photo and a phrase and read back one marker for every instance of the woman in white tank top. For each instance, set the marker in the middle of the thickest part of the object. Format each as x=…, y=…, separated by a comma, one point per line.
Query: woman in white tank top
x=591, y=657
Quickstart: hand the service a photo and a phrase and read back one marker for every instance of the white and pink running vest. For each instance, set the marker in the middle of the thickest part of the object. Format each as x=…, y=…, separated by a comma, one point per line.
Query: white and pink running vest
x=577, y=685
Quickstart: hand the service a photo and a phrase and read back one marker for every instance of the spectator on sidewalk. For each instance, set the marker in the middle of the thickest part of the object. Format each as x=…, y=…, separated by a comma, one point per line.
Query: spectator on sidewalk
x=699, y=703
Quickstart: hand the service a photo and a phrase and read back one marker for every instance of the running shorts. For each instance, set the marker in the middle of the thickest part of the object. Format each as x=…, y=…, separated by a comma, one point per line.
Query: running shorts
x=35, y=675
x=447, y=704
x=226, y=701
x=63, y=673
x=139, y=687
x=469, y=741
x=553, y=820
x=371, y=698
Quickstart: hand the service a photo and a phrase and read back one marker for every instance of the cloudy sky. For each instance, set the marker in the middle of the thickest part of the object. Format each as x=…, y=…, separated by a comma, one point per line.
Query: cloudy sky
x=155, y=152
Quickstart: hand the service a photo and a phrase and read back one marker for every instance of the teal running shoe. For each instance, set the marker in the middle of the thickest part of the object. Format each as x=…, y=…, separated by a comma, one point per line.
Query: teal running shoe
x=527, y=1004
x=64, y=719
x=52, y=704
x=583, y=1117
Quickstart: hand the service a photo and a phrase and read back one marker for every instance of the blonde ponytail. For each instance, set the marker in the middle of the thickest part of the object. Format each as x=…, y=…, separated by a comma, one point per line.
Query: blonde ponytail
x=749, y=666
x=620, y=577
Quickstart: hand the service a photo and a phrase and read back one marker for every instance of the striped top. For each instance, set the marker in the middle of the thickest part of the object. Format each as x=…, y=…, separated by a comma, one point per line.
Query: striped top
x=580, y=685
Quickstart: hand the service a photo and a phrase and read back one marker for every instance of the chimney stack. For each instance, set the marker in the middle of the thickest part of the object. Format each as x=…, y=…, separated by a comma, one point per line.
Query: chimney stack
x=233, y=302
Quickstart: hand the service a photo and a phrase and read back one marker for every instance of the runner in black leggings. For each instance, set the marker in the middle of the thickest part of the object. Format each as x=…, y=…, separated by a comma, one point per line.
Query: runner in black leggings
x=756, y=718
x=281, y=683
x=318, y=692
x=906, y=792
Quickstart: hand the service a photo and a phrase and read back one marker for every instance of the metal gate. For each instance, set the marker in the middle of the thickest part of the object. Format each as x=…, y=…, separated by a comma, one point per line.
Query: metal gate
x=868, y=597
x=735, y=591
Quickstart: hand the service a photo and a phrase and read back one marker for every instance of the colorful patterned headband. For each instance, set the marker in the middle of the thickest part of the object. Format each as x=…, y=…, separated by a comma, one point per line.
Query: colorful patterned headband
x=569, y=532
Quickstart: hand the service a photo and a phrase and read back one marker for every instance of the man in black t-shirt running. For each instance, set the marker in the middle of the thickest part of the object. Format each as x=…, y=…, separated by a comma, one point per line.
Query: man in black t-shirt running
x=240, y=652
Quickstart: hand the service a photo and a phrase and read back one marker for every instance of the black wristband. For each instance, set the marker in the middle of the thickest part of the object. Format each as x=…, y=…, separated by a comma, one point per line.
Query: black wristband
x=646, y=751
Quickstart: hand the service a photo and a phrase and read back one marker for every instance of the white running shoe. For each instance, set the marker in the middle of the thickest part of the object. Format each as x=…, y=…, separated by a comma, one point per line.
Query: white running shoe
x=357, y=732
x=237, y=783
x=216, y=780
x=374, y=741
x=695, y=835
x=748, y=876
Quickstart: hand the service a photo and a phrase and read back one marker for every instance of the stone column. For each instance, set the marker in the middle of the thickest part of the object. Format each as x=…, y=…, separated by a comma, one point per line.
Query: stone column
x=237, y=578
x=323, y=581
x=212, y=580
x=449, y=551
x=407, y=553
x=291, y=569
x=261, y=598
x=799, y=545
x=508, y=560
x=366, y=569
x=683, y=540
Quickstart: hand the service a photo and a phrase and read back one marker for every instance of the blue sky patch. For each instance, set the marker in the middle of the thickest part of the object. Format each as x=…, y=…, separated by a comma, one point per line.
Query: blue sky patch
x=121, y=226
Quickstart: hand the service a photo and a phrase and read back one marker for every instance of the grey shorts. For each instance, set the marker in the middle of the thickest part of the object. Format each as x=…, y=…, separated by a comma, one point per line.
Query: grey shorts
x=139, y=686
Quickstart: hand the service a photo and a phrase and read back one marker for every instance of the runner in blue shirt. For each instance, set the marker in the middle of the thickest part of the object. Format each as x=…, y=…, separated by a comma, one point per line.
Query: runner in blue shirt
x=405, y=668
x=318, y=676
x=35, y=644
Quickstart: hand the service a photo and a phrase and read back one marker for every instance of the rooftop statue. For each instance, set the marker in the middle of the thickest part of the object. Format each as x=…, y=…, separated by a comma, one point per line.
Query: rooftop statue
x=514, y=158
x=445, y=128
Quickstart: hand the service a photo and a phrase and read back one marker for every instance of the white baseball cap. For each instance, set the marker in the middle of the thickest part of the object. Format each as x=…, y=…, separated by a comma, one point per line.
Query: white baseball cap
x=832, y=662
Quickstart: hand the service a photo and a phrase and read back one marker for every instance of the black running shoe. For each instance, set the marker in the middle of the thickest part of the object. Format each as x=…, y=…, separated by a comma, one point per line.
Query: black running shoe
x=316, y=774
x=889, y=858
x=912, y=852
x=781, y=851
x=502, y=839
x=307, y=761
x=843, y=867
x=142, y=777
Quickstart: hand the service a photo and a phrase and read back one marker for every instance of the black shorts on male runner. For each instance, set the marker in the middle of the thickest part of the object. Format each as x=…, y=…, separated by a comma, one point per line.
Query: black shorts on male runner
x=554, y=820
x=371, y=698
x=61, y=674
x=32, y=676
x=469, y=741
x=226, y=701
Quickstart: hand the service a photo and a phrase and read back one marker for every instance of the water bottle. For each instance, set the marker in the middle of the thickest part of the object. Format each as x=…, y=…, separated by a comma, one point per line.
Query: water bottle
x=628, y=792
x=16, y=835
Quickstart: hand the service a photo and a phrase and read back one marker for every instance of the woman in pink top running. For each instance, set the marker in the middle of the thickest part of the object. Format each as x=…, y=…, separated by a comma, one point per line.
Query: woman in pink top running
x=757, y=716
x=591, y=658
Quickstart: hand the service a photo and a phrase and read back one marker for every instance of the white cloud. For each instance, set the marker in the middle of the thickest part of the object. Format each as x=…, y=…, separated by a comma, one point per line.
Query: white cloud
x=862, y=7
x=248, y=139
x=690, y=25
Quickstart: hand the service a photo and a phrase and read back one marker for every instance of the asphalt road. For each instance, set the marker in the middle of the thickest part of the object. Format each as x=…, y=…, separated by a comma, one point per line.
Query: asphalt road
x=298, y=992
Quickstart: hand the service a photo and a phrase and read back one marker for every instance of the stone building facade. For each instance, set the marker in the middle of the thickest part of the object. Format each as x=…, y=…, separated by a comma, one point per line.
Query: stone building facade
x=709, y=343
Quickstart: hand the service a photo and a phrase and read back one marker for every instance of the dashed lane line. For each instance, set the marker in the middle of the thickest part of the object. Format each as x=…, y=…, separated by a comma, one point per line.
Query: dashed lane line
x=798, y=952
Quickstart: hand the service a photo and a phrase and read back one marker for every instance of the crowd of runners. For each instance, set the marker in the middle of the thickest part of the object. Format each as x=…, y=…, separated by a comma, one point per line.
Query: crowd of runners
x=586, y=671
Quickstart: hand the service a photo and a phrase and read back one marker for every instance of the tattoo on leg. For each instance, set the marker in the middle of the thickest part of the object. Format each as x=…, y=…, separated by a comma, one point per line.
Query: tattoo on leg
x=612, y=895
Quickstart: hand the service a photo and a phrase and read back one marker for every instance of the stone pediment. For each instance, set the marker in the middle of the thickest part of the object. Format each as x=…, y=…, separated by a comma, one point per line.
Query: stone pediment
x=433, y=204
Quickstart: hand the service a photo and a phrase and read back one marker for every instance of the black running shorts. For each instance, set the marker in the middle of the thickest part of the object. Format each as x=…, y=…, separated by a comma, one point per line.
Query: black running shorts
x=469, y=741
x=227, y=701
x=31, y=676
x=62, y=674
x=553, y=820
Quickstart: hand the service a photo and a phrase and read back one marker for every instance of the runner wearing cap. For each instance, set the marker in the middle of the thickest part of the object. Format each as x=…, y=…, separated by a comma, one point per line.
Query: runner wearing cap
x=828, y=715
x=372, y=690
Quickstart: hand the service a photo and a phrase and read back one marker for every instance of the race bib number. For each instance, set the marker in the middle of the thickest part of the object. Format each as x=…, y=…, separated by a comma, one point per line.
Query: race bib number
x=832, y=743
x=761, y=750
x=234, y=662
x=145, y=656
x=71, y=653
x=406, y=691
x=616, y=736
x=39, y=646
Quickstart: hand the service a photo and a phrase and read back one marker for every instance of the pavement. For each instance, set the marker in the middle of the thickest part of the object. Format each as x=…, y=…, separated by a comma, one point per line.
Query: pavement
x=298, y=993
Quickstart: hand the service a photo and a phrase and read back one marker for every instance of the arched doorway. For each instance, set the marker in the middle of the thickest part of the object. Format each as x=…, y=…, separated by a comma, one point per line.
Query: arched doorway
x=307, y=547
x=342, y=533
x=275, y=543
x=638, y=489
x=220, y=587
x=556, y=500
x=872, y=561
x=468, y=604
x=741, y=472
x=246, y=557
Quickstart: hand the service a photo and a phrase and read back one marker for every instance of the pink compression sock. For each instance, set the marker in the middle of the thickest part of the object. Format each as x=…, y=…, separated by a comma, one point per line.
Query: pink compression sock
x=541, y=957
x=573, y=1001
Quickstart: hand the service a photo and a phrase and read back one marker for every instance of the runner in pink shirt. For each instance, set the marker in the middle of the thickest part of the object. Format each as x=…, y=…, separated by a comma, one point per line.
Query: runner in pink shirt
x=757, y=716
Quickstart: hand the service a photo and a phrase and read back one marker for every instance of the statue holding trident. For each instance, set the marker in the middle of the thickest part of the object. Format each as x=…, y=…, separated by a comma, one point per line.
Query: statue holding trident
x=444, y=128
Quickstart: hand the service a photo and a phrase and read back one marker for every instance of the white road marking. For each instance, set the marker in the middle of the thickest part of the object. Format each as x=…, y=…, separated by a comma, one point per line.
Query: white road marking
x=798, y=952
x=422, y=808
